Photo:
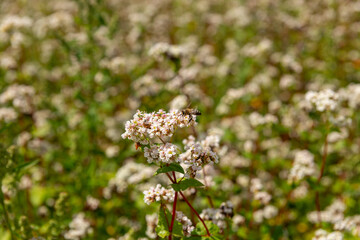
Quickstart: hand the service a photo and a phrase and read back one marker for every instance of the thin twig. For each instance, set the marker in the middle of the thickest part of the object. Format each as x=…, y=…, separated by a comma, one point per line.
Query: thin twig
x=162, y=140
x=167, y=221
x=173, y=215
x=196, y=213
x=170, y=178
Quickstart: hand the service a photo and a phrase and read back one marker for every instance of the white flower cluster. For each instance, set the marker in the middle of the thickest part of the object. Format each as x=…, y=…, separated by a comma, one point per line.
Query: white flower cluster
x=7, y=114
x=332, y=214
x=257, y=119
x=178, y=102
x=335, y=214
x=156, y=124
x=325, y=100
x=161, y=50
x=186, y=223
x=267, y=212
x=303, y=166
x=324, y=235
x=21, y=97
x=14, y=22
x=146, y=86
x=214, y=215
x=351, y=224
x=92, y=203
x=198, y=154
x=79, y=228
x=166, y=153
x=151, y=223
x=130, y=173
x=157, y=194
x=218, y=215
x=256, y=188
x=352, y=94
x=227, y=209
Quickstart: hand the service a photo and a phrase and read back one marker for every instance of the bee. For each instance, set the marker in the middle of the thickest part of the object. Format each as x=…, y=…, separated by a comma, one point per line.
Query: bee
x=190, y=112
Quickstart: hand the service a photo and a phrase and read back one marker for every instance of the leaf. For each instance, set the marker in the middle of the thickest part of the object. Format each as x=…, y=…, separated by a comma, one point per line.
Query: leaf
x=172, y=167
x=185, y=184
x=162, y=229
x=25, y=165
x=213, y=229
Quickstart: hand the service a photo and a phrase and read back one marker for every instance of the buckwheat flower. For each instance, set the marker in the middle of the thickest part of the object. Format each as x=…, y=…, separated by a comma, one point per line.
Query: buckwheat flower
x=165, y=153
x=161, y=50
x=347, y=223
x=161, y=124
x=130, y=173
x=157, y=194
x=7, y=114
x=158, y=50
x=25, y=182
x=178, y=102
x=303, y=166
x=352, y=94
x=335, y=236
x=151, y=223
x=215, y=216
x=270, y=211
x=227, y=209
x=301, y=191
x=196, y=156
x=256, y=119
x=256, y=185
x=325, y=100
x=92, y=203
x=21, y=97
x=112, y=151
x=332, y=214
x=187, y=225
x=238, y=220
x=146, y=86
x=320, y=234
x=14, y=22
x=324, y=235
x=79, y=228
x=262, y=196
x=258, y=216
x=211, y=141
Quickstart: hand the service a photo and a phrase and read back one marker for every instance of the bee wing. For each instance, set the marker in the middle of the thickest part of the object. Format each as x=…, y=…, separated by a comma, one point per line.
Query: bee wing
x=188, y=105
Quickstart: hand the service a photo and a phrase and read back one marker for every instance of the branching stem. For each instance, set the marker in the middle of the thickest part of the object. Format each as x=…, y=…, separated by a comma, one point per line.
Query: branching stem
x=196, y=213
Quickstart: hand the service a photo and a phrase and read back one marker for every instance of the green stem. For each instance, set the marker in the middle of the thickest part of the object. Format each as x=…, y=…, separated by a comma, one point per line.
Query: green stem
x=7, y=219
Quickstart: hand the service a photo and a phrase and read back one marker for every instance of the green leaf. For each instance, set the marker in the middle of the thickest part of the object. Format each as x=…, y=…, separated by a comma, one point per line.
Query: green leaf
x=213, y=229
x=162, y=229
x=26, y=165
x=185, y=184
x=172, y=167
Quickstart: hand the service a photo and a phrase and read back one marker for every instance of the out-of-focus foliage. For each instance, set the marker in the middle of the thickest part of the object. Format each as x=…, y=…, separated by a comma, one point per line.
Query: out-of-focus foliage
x=72, y=72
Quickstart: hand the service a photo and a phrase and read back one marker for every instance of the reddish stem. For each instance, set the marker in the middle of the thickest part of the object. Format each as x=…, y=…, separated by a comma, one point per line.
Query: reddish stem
x=173, y=215
x=167, y=221
x=170, y=178
x=196, y=213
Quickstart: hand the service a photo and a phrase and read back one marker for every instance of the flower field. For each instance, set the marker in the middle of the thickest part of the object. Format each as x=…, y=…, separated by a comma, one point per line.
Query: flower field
x=169, y=119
